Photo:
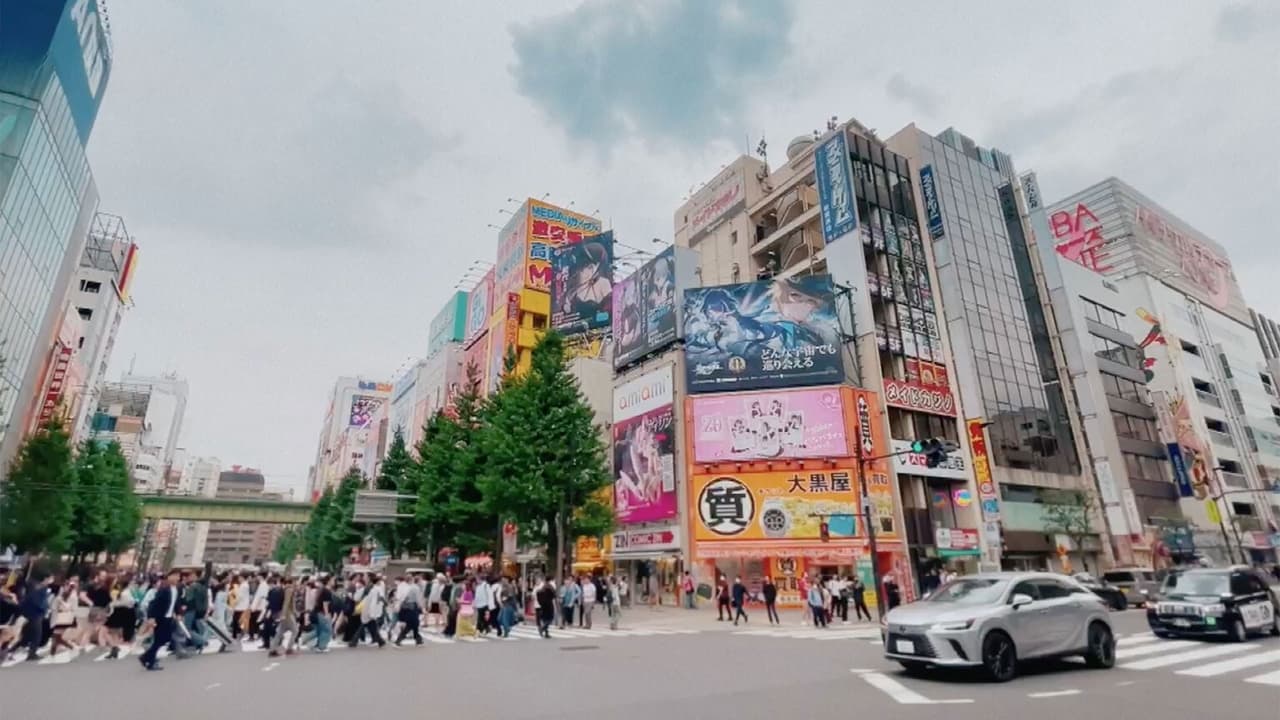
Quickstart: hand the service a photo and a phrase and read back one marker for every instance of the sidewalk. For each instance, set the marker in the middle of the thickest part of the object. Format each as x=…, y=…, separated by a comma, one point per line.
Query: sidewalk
x=704, y=618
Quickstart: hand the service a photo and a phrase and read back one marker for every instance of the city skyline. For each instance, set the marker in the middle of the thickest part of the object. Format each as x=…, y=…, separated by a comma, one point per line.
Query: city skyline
x=318, y=265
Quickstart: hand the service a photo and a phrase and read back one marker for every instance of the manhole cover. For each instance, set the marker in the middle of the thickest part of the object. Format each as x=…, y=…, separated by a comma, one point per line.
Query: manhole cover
x=571, y=648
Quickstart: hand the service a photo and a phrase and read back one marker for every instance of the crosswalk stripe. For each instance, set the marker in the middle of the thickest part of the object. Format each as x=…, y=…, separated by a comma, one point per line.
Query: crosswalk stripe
x=1151, y=648
x=1136, y=640
x=1271, y=678
x=1190, y=655
x=1226, y=666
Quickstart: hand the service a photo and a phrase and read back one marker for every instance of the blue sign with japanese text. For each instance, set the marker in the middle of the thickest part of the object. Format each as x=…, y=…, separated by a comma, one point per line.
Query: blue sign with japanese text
x=932, y=206
x=1180, y=474
x=834, y=176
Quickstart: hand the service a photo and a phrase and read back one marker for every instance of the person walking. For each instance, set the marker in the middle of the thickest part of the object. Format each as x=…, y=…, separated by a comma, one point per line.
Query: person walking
x=239, y=597
x=816, y=605
x=687, y=590
x=122, y=621
x=570, y=597
x=723, y=600
x=258, y=607
x=160, y=615
x=195, y=607
x=375, y=604
x=285, y=621
x=34, y=607
x=452, y=595
x=590, y=593
x=322, y=615
x=613, y=601
x=545, y=599
x=509, y=600
x=480, y=604
x=410, y=612
x=891, y=593
x=858, y=591
x=739, y=594
x=435, y=593
x=770, y=592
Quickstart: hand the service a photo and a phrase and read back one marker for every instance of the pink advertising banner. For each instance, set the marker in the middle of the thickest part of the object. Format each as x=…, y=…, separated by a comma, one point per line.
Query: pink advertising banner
x=644, y=486
x=767, y=425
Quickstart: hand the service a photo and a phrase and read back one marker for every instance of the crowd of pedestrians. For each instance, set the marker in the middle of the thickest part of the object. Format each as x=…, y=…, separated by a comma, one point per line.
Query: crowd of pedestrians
x=181, y=610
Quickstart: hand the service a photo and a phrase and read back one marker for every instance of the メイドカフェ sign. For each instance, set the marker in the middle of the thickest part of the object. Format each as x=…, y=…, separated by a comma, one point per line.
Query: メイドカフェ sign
x=914, y=396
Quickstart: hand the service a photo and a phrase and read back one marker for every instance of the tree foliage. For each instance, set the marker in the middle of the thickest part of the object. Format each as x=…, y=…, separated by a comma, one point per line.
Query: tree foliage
x=451, y=507
x=1072, y=516
x=545, y=463
x=37, y=504
x=398, y=474
x=289, y=545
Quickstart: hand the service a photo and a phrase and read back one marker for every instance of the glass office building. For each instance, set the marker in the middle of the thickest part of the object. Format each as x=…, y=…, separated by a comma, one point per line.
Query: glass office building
x=54, y=65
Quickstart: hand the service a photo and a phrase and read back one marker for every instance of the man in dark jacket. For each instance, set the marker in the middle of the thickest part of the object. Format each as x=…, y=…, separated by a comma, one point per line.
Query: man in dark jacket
x=770, y=592
x=275, y=607
x=161, y=612
x=195, y=602
x=739, y=600
x=34, y=606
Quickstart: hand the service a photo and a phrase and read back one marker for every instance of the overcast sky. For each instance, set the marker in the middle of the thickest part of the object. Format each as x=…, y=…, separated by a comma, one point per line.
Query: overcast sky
x=307, y=182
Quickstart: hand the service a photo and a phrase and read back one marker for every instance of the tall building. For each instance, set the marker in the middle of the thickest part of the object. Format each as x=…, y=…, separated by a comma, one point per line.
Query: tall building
x=200, y=478
x=144, y=414
x=241, y=543
x=348, y=432
x=55, y=59
x=1209, y=381
x=1268, y=332
x=99, y=295
x=834, y=230
x=1007, y=367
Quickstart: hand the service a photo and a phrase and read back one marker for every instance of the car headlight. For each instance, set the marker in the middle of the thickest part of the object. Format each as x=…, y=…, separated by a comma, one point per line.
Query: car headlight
x=1217, y=609
x=952, y=626
x=1144, y=592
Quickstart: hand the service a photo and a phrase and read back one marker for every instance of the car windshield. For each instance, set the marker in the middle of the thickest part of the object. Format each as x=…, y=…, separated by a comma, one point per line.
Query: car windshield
x=1189, y=584
x=1118, y=577
x=970, y=591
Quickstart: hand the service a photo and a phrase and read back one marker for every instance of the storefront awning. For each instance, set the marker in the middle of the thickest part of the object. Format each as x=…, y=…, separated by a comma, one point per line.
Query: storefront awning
x=820, y=552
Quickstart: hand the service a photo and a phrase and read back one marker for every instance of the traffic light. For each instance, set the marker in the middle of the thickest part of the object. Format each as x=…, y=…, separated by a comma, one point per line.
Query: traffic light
x=934, y=450
x=824, y=531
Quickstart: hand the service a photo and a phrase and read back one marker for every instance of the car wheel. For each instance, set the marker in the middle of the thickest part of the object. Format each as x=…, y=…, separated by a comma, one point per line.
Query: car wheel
x=999, y=657
x=914, y=669
x=1102, y=647
x=1237, y=633
x=1120, y=603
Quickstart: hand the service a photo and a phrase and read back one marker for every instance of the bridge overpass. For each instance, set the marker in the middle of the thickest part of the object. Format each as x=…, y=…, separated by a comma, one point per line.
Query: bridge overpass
x=248, y=510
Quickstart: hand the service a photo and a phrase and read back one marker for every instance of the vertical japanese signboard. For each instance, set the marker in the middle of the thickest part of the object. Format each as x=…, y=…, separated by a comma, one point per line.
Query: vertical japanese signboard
x=932, y=204
x=987, y=495
x=835, y=187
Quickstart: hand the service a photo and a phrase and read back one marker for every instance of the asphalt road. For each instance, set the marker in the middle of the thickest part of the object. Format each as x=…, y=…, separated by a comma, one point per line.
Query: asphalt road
x=715, y=672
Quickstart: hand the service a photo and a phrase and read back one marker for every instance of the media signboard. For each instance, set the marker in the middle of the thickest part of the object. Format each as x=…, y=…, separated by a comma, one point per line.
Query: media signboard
x=551, y=227
x=834, y=177
x=769, y=425
x=932, y=204
x=644, y=488
x=644, y=309
x=582, y=285
x=765, y=334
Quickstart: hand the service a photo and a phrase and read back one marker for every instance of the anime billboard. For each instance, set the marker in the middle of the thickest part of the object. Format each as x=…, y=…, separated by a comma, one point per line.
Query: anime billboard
x=766, y=334
x=644, y=488
x=644, y=309
x=362, y=409
x=582, y=285
x=766, y=425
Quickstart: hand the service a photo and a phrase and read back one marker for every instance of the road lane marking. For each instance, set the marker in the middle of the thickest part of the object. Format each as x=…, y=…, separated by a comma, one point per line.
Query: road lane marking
x=212, y=686
x=903, y=694
x=272, y=666
x=1226, y=666
x=1190, y=655
x=1126, y=683
x=1136, y=639
x=1271, y=678
x=1152, y=648
x=1053, y=694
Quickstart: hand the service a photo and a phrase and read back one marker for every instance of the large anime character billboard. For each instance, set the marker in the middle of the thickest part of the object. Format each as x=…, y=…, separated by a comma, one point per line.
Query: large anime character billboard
x=644, y=309
x=582, y=285
x=766, y=334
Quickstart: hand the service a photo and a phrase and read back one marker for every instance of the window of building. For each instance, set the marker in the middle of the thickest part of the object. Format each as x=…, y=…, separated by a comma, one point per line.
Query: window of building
x=733, y=238
x=1190, y=348
x=1134, y=427
x=1115, y=352
x=85, y=313
x=1102, y=314
x=1215, y=425
x=90, y=286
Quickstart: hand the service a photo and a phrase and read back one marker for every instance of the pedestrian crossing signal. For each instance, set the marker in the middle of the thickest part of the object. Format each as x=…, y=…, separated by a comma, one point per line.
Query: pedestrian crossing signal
x=934, y=450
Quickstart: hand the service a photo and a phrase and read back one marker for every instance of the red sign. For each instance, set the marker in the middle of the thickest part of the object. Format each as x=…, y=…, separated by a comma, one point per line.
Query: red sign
x=1198, y=262
x=59, y=376
x=1079, y=236
x=914, y=396
x=956, y=538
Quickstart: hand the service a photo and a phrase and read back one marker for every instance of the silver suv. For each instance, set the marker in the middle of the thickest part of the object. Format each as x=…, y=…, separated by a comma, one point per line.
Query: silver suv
x=994, y=620
x=1139, y=585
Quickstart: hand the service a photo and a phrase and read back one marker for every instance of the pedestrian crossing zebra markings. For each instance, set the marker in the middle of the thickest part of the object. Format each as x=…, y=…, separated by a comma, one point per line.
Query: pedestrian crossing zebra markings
x=1145, y=652
x=812, y=633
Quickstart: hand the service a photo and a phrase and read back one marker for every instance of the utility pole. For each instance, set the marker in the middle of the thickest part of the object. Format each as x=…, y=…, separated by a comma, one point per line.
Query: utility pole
x=865, y=499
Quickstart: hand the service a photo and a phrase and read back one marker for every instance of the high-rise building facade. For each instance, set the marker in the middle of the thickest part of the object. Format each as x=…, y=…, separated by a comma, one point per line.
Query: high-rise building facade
x=241, y=543
x=55, y=59
x=348, y=432
x=199, y=478
x=144, y=414
x=1207, y=376
x=1268, y=332
x=1007, y=368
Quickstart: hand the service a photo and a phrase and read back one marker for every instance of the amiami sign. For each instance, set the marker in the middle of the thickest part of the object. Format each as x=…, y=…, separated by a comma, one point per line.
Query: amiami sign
x=648, y=392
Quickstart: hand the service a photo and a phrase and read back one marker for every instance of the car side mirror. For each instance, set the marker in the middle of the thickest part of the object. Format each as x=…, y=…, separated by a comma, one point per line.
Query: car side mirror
x=1021, y=599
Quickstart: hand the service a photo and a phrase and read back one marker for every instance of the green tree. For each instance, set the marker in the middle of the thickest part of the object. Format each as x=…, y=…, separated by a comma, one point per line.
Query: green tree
x=91, y=503
x=123, y=508
x=451, y=508
x=341, y=531
x=545, y=464
x=398, y=474
x=315, y=534
x=289, y=545
x=37, y=501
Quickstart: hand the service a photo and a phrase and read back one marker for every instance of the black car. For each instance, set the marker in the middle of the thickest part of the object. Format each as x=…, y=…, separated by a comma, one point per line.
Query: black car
x=1110, y=594
x=1234, y=601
